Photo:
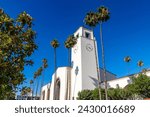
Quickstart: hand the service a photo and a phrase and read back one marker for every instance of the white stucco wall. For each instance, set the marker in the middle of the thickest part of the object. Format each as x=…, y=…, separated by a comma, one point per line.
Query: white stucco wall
x=45, y=88
x=122, y=82
x=89, y=67
x=61, y=74
x=85, y=61
x=148, y=73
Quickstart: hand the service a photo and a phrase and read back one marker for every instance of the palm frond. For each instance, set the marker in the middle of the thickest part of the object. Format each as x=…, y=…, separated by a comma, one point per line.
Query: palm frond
x=103, y=14
x=91, y=19
x=54, y=43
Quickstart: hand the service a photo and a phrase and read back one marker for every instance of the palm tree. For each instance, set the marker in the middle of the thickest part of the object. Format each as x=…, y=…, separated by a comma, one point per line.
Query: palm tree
x=25, y=91
x=103, y=15
x=44, y=66
x=69, y=43
x=92, y=19
x=28, y=90
x=38, y=73
x=34, y=81
x=140, y=64
x=127, y=59
x=31, y=83
x=55, y=44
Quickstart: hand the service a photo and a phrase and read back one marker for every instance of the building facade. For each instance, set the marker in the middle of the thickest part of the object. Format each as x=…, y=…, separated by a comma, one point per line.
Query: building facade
x=83, y=73
x=124, y=81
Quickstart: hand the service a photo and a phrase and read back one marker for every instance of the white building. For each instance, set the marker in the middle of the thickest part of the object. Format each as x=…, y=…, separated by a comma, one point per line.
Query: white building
x=122, y=82
x=83, y=73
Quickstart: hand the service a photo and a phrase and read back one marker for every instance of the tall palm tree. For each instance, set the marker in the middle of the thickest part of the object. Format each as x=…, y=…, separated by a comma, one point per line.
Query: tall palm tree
x=34, y=83
x=55, y=44
x=103, y=15
x=92, y=19
x=39, y=72
x=25, y=91
x=28, y=90
x=31, y=83
x=69, y=43
x=44, y=66
x=127, y=59
x=140, y=64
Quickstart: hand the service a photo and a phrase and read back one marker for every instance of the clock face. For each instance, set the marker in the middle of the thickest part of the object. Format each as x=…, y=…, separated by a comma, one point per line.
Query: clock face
x=89, y=47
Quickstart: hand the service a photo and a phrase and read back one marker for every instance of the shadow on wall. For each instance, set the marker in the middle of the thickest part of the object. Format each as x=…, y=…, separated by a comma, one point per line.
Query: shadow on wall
x=95, y=81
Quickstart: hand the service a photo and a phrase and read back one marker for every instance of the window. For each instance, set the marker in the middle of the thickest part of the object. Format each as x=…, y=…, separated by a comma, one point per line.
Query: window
x=43, y=95
x=77, y=36
x=129, y=81
x=72, y=63
x=87, y=35
x=48, y=94
x=57, y=90
x=117, y=85
x=108, y=86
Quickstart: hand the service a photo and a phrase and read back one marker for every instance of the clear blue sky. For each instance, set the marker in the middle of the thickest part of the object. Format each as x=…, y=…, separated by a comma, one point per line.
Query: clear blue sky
x=126, y=33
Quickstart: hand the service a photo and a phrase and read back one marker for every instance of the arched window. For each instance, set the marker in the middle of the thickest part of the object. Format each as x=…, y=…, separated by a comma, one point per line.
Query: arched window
x=43, y=95
x=57, y=90
x=48, y=93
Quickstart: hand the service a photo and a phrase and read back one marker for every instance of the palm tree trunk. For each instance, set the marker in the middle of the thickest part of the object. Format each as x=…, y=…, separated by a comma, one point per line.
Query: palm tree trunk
x=42, y=82
x=69, y=78
x=97, y=68
x=55, y=73
x=33, y=88
x=68, y=88
x=66, y=96
x=69, y=57
x=103, y=61
x=128, y=69
x=140, y=69
x=69, y=75
x=37, y=86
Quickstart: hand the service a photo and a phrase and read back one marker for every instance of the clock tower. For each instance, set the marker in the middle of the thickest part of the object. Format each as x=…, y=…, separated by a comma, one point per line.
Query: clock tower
x=84, y=73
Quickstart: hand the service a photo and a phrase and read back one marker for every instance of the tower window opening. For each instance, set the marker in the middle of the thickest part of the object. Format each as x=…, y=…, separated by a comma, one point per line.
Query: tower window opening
x=77, y=36
x=87, y=35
